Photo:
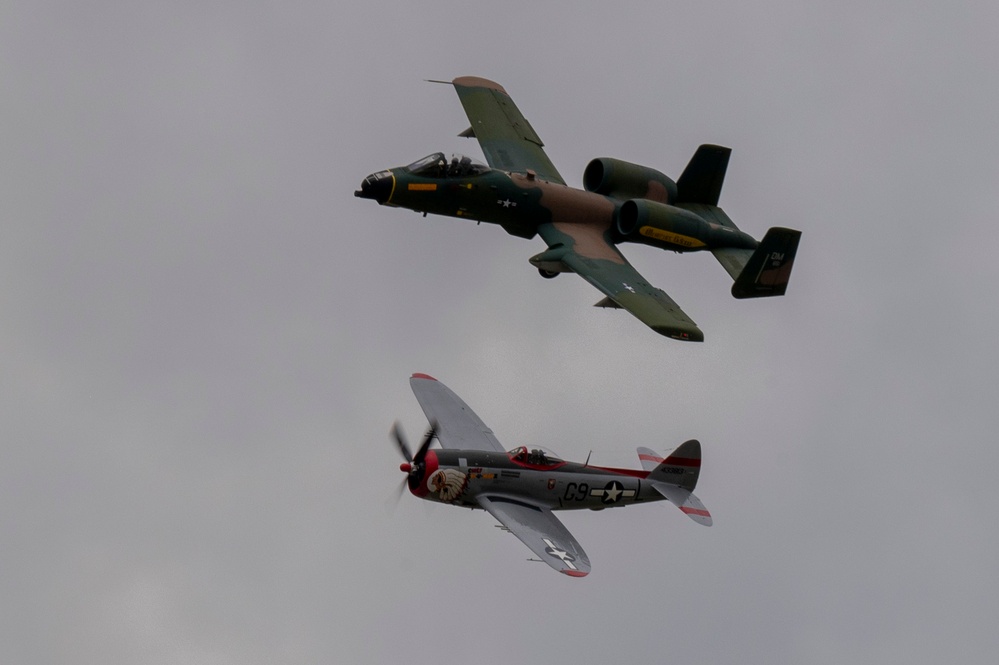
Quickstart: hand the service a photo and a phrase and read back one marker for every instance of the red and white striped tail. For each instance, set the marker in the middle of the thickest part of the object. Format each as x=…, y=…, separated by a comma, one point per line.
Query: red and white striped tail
x=686, y=501
x=681, y=467
x=675, y=477
x=649, y=458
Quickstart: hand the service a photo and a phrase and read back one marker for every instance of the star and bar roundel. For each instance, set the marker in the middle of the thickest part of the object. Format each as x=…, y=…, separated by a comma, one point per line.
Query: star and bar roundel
x=554, y=550
x=612, y=492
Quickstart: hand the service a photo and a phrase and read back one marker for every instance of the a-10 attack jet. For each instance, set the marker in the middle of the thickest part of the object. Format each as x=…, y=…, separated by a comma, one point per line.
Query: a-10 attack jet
x=621, y=202
x=521, y=487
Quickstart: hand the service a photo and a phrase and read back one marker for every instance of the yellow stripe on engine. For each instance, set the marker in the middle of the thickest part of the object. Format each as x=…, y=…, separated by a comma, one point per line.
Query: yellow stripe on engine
x=670, y=237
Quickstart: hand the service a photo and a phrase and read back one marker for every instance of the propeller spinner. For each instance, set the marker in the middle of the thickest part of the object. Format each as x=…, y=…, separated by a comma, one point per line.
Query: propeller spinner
x=413, y=467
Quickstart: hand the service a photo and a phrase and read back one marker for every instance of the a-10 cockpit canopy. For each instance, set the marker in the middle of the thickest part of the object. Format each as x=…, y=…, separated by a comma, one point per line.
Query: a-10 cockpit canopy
x=436, y=166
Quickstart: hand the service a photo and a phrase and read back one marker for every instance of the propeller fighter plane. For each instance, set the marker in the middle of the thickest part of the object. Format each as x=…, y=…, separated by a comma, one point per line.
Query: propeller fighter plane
x=522, y=191
x=521, y=488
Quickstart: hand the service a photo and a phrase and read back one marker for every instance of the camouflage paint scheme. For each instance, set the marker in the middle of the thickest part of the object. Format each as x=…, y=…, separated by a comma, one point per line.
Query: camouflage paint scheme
x=522, y=191
x=521, y=488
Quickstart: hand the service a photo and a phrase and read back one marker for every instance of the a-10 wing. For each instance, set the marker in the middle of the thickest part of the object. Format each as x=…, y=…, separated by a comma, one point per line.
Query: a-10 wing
x=507, y=139
x=539, y=529
x=625, y=288
x=457, y=425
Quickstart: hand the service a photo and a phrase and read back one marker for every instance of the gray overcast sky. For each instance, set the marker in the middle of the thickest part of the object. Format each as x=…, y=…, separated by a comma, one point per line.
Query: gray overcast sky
x=205, y=337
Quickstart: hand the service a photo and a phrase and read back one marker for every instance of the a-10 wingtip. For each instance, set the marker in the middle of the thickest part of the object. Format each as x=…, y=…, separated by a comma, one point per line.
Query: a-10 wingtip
x=478, y=82
x=420, y=375
x=472, y=82
x=667, y=326
x=682, y=333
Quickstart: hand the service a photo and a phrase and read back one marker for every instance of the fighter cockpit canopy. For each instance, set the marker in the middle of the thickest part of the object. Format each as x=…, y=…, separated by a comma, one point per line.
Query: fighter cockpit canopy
x=436, y=166
x=535, y=457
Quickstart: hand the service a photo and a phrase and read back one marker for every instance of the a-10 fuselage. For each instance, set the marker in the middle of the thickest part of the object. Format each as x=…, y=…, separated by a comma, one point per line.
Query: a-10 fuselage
x=458, y=476
x=521, y=202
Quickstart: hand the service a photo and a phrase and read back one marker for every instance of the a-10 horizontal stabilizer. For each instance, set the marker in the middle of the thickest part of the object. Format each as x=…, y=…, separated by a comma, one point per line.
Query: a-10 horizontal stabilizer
x=769, y=268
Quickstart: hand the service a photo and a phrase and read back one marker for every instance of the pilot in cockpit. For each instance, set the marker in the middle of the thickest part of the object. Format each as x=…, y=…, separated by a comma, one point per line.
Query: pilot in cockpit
x=537, y=456
x=460, y=165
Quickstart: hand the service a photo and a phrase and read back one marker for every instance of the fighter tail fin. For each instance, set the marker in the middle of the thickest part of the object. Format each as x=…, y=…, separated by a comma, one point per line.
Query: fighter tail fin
x=676, y=476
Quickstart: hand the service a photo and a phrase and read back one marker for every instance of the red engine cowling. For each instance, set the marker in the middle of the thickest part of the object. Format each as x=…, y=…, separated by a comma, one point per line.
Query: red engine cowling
x=624, y=180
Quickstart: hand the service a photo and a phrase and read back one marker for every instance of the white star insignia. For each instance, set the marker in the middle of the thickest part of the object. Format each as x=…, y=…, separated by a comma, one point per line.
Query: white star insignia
x=553, y=550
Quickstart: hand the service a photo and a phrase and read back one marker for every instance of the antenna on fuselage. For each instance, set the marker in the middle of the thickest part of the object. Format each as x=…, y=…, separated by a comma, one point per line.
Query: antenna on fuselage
x=587, y=462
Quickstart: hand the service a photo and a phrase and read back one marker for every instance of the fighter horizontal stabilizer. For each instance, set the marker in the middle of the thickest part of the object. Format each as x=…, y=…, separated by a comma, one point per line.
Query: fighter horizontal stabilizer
x=769, y=268
x=676, y=476
x=649, y=458
x=686, y=501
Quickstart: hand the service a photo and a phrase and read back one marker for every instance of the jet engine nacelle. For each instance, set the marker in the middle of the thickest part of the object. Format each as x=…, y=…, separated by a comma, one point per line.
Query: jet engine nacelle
x=673, y=228
x=624, y=180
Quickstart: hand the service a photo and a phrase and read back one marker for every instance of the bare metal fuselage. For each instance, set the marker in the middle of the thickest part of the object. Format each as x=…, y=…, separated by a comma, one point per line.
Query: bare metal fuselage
x=458, y=477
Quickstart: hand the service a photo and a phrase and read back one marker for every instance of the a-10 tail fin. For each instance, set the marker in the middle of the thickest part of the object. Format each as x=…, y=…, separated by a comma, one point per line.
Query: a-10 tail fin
x=701, y=181
x=769, y=268
x=676, y=476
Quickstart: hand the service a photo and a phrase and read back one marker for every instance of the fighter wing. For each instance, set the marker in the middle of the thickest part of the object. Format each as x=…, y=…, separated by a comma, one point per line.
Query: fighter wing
x=586, y=251
x=539, y=529
x=457, y=425
x=507, y=139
